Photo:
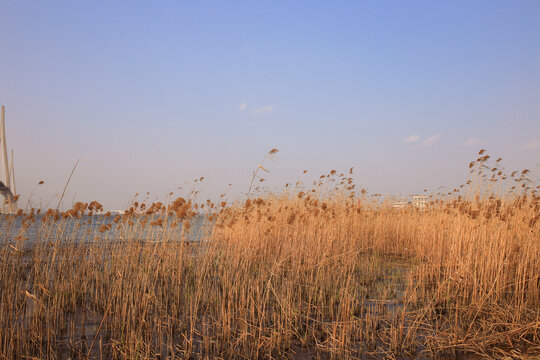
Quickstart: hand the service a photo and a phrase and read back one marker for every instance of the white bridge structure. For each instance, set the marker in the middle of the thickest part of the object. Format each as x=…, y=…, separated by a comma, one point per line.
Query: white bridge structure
x=7, y=187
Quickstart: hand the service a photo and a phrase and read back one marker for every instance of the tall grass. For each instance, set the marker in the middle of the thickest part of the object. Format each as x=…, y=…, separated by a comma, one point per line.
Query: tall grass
x=314, y=273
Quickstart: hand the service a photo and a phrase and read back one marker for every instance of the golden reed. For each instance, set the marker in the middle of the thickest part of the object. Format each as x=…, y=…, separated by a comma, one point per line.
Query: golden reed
x=325, y=272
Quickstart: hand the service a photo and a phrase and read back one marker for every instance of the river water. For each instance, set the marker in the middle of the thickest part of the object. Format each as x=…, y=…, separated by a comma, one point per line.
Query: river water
x=14, y=229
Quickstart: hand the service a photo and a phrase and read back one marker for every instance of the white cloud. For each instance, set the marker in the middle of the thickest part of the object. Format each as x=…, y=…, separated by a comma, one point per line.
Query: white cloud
x=530, y=146
x=243, y=106
x=473, y=141
x=264, y=109
x=431, y=140
x=411, y=139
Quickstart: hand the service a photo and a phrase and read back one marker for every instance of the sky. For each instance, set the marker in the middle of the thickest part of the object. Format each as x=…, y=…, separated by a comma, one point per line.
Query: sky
x=152, y=95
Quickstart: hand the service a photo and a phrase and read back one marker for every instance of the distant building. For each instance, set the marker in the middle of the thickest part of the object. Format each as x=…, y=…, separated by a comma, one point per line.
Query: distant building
x=401, y=205
x=420, y=201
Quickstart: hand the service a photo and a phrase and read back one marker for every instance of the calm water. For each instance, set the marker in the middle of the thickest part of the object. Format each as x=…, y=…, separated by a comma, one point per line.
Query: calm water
x=88, y=229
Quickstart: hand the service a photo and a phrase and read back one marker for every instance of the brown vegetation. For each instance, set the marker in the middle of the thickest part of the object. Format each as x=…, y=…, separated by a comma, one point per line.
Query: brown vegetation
x=319, y=272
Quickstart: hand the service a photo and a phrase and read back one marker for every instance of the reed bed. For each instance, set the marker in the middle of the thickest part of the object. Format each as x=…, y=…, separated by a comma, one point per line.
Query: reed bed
x=318, y=273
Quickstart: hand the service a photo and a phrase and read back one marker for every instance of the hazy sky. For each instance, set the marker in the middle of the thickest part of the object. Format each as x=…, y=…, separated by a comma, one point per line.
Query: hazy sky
x=154, y=94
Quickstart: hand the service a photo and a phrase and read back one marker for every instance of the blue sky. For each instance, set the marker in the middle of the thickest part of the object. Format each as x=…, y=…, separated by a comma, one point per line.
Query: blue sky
x=152, y=95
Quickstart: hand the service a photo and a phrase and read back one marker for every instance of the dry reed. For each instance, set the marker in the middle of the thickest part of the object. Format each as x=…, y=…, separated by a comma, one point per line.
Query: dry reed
x=319, y=273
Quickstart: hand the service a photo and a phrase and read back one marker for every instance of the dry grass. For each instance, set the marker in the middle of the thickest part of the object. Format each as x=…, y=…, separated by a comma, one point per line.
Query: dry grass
x=320, y=273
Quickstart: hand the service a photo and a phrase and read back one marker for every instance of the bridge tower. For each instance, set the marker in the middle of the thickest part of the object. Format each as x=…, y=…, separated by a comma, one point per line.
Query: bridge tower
x=7, y=188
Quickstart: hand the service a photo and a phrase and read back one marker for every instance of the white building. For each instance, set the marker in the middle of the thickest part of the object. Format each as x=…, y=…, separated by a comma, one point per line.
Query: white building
x=420, y=201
